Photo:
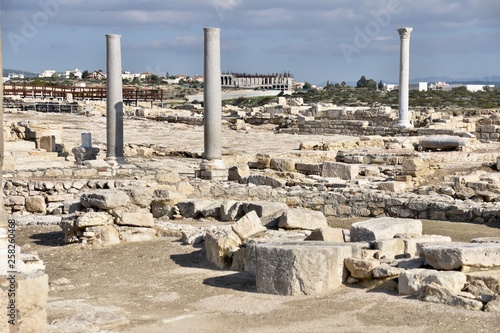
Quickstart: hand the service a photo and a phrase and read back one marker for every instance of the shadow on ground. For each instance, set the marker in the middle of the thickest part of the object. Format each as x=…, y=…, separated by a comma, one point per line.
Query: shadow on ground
x=240, y=281
x=53, y=238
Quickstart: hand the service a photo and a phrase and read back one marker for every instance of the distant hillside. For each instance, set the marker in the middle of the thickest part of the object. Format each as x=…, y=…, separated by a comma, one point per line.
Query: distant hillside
x=6, y=72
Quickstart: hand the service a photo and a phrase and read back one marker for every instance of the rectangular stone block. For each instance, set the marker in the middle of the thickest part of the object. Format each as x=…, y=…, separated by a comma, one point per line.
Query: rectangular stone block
x=339, y=170
x=450, y=256
x=412, y=281
x=301, y=268
x=48, y=143
x=384, y=228
x=390, y=248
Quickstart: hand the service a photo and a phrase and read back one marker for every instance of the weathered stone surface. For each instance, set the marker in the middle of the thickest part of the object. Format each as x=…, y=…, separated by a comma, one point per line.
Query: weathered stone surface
x=455, y=255
x=237, y=172
x=263, y=180
x=339, y=170
x=136, y=234
x=361, y=268
x=248, y=225
x=301, y=268
x=282, y=164
x=436, y=293
x=485, y=240
x=31, y=300
x=412, y=241
x=161, y=207
x=299, y=218
x=412, y=281
x=493, y=305
x=390, y=248
x=104, y=235
x=91, y=219
x=197, y=208
x=480, y=290
x=230, y=210
x=386, y=270
x=167, y=176
x=327, y=234
x=393, y=186
x=141, y=196
x=490, y=278
x=105, y=199
x=36, y=204
x=383, y=228
x=269, y=212
x=220, y=246
x=135, y=219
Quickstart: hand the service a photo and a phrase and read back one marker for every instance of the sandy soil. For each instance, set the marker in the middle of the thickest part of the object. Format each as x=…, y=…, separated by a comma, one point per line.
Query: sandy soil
x=163, y=286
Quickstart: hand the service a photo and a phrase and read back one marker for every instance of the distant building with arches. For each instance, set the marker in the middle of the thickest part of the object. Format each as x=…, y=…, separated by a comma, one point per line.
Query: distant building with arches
x=281, y=81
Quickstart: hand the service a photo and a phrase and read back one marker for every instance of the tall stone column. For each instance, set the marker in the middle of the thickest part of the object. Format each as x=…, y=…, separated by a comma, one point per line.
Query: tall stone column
x=114, y=101
x=404, y=77
x=212, y=165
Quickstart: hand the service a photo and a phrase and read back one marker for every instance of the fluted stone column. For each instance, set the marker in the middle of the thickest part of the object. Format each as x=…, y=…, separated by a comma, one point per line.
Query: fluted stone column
x=114, y=101
x=212, y=165
x=404, y=78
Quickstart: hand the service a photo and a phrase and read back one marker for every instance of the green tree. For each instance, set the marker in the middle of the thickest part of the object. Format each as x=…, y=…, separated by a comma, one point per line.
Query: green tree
x=307, y=86
x=380, y=85
x=361, y=82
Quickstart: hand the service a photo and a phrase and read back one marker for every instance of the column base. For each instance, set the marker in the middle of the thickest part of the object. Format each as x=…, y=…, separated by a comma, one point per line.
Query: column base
x=115, y=161
x=403, y=124
x=212, y=169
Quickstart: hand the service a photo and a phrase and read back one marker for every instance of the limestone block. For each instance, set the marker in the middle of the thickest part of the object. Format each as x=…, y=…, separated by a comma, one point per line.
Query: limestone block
x=262, y=180
x=193, y=236
x=48, y=143
x=393, y=186
x=160, y=207
x=485, y=240
x=104, y=199
x=220, y=246
x=36, y=204
x=308, y=168
x=383, y=228
x=248, y=225
x=361, y=268
x=327, y=234
x=386, y=270
x=339, y=170
x=136, y=234
x=197, y=208
x=412, y=281
x=299, y=218
x=237, y=172
x=282, y=164
x=230, y=210
x=31, y=301
x=14, y=200
x=455, y=255
x=493, y=305
x=390, y=248
x=436, y=293
x=412, y=241
x=490, y=278
x=91, y=219
x=141, y=196
x=300, y=268
x=135, y=219
x=269, y=212
x=104, y=234
x=71, y=206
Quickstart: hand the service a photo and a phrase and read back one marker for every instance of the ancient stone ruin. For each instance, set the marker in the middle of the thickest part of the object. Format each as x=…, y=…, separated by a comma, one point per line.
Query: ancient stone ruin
x=268, y=185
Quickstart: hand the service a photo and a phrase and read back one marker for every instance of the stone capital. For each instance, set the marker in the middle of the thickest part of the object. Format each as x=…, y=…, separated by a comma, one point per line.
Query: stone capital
x=404, y=33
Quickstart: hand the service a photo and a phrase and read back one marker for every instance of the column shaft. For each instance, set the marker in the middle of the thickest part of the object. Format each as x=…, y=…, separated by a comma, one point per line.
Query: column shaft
x=114, y=100
x=212, y=95
x=404, y=77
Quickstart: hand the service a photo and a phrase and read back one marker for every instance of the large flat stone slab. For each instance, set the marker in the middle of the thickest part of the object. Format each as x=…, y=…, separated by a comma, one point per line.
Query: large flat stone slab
x=302, y=268
x=383, y=228
x=455, y=255
x=299, y=218
x=412, y=281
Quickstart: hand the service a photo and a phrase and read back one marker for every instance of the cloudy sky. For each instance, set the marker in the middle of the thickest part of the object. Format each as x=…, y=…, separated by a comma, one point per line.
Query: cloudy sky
x=316, y=40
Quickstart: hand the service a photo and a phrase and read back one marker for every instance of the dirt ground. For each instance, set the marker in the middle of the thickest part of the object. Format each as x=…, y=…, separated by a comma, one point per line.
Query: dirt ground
x=163, y=286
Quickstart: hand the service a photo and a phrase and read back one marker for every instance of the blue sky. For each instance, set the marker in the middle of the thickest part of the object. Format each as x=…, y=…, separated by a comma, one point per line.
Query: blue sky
x=316, y=40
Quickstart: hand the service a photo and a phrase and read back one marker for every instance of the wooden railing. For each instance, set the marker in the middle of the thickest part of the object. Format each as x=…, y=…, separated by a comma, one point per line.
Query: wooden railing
x=80, y=93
